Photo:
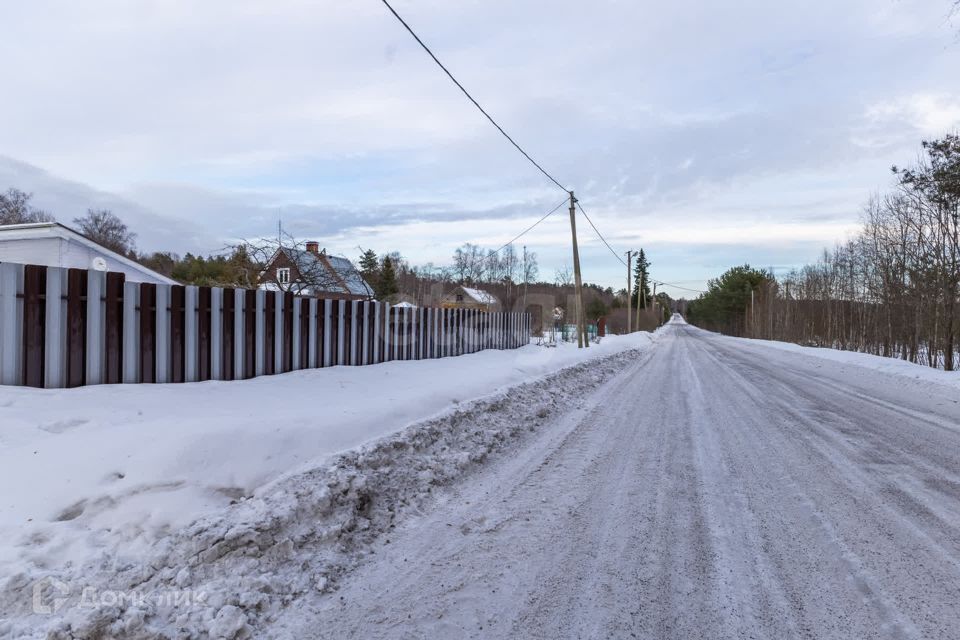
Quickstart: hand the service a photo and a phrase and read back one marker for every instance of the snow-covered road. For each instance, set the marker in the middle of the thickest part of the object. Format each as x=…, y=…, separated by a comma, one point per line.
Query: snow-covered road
x=716, y=488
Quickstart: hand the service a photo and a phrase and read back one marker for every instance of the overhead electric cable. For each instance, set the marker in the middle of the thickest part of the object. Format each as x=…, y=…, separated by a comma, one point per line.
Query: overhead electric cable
x=471, y=98
x=600, y=235
x=617, y=256
x=524, y=232
x=676, y=286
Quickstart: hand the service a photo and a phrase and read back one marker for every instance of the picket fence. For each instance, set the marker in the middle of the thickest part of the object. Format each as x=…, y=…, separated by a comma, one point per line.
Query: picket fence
x=101, y=329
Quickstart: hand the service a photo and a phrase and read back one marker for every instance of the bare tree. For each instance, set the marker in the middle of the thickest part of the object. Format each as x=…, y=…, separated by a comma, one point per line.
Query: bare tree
x=107, y=230
x=564, y=276
x=15, y=208
x=893, y=290
x=468, y=264
x=530, y=268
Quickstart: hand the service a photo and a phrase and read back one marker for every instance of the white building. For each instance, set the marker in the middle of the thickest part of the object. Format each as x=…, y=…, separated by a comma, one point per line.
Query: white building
x=52, y=244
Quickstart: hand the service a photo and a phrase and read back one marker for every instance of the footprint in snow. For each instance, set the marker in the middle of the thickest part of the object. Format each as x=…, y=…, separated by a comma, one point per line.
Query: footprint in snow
x=63, y=425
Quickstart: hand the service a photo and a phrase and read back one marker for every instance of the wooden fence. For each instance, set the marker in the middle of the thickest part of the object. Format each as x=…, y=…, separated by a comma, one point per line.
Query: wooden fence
x=72, y=327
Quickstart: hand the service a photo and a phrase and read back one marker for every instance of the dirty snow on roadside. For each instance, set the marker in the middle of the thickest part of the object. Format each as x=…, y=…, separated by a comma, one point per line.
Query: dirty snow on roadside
x=179, y=510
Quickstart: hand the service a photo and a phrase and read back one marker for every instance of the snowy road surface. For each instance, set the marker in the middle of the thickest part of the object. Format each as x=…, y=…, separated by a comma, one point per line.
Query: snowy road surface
x=717, y=488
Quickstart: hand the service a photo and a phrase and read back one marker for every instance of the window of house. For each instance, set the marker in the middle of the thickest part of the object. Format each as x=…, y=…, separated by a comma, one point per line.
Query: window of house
x=459, y=297
x=283, y=275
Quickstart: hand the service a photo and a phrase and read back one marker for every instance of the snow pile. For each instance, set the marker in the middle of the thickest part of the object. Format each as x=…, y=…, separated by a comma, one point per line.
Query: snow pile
x=889, y=366
x=892, y=366
x=229, y=572
x=103, y=466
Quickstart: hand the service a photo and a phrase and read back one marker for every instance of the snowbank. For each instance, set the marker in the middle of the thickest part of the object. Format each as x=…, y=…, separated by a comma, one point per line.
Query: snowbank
x=239, y=565
x=891, y=366
x=118, y=467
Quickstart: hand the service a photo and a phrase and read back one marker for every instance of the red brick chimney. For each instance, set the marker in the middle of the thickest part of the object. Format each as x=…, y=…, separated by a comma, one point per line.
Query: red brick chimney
x=313, y=247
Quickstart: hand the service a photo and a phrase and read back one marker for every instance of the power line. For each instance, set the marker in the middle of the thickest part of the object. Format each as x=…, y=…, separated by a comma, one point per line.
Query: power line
x=524, y=232
x=470, y=97
x=512, y=141
x=617, y=255
x=600, y=235
x=676, y=286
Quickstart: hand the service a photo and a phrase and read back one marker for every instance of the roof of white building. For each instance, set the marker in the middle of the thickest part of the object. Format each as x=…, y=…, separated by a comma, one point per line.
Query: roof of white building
x=46, y=230
x=480, y=295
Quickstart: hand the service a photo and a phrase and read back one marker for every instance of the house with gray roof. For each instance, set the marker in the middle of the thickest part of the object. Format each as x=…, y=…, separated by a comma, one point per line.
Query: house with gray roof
x=312, y=272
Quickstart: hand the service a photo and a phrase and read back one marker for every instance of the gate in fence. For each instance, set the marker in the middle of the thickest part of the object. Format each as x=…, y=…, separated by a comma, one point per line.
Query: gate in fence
x=74, y=327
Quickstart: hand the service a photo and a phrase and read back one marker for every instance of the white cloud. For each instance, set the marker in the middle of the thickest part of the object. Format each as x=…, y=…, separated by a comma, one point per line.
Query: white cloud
x=930, y=114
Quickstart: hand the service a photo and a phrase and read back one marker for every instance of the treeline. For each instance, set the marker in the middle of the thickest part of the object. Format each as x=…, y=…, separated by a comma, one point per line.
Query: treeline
x=507, y=274
x=893, y=290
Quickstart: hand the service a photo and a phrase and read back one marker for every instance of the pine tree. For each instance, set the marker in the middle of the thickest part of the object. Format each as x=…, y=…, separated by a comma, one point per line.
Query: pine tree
x=369, y=266
x=387, y=282
x=641, y=279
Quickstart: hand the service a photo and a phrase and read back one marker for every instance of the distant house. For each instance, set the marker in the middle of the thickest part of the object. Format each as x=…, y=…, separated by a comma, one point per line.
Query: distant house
x=312, y=272
x=470, y=298
x=52, y=244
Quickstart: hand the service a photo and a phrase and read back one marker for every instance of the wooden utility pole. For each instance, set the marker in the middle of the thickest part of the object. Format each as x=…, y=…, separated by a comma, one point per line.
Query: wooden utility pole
x=641, y=299
x=629, y=293
x=524, y=278
x=655, y=303
x=639, y=296
x=582, y=339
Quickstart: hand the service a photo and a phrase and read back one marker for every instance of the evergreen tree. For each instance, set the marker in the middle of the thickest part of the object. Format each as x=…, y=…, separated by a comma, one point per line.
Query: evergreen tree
x=387, y=282
x=596, y=309
x=722, y=307
x=641, y=280
x=369, y=265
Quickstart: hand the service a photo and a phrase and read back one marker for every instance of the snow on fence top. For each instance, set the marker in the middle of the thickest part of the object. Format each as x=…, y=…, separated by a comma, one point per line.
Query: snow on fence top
x=105, y=330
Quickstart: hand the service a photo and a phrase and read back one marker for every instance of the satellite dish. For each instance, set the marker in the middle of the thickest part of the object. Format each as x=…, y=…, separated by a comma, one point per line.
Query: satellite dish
x=98, y=264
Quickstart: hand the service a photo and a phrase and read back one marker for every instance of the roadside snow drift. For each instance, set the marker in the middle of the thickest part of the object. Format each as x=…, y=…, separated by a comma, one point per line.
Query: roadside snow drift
x=152, y=491
x=893, y=366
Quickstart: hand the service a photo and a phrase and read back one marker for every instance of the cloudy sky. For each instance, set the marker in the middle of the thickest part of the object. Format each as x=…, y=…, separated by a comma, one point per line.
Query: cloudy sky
x=708, y=133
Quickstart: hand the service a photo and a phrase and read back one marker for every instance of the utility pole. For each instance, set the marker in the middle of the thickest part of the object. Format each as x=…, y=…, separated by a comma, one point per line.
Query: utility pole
x=655, y=303
x=524, y=278
x=629, y=293
x=578, y=283
x=639, y=297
